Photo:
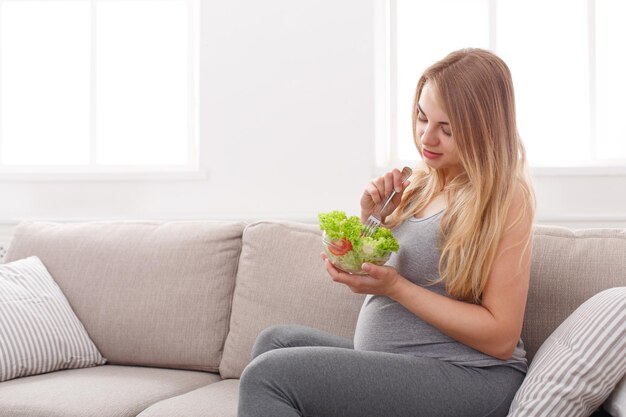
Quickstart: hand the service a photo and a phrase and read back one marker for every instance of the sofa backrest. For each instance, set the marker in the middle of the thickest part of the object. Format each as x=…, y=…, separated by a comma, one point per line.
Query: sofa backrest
x=148, y=293
x=160, y=293
x=568, y=267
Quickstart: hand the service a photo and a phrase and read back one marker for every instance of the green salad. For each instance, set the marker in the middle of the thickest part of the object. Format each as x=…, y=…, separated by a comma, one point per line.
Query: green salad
x=345, y=246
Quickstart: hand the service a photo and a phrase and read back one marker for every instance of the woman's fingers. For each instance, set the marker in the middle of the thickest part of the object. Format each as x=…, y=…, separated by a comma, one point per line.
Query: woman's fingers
x=377, y=191
x=398, y=197
x=332, y=271
x=388, y=184
x=397, y=181
x=336, y=275
x=374, y=192
x=384, y=185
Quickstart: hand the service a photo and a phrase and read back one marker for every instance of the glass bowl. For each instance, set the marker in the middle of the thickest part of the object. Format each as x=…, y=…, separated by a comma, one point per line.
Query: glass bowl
x=344, y=257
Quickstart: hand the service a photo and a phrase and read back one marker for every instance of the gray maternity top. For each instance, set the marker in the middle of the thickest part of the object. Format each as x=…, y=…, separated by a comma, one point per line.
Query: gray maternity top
x=384, y=325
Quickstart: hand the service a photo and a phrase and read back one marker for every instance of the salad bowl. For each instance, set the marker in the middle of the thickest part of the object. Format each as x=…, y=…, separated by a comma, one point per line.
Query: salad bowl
x=346, y=247
x=344, y=257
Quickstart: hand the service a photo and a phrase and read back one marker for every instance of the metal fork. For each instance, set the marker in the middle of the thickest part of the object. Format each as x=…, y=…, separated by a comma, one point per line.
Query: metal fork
x=373, y=221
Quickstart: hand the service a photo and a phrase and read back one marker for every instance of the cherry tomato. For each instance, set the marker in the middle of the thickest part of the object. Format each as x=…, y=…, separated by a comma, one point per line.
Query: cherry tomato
x=340, y=247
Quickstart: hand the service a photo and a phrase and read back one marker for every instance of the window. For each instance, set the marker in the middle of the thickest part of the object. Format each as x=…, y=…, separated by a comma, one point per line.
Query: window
x=566, y=57
x=98, y=86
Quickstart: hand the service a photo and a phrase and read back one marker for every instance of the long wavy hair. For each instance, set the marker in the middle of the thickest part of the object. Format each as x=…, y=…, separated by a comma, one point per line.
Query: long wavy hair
x=475, y=90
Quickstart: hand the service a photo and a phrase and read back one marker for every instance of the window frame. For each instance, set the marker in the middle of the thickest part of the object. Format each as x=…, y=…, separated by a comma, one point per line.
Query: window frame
x=385, y=89
x=196, y=167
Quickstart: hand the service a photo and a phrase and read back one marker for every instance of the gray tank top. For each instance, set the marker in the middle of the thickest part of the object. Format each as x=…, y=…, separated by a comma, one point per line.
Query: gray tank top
x=384, y=325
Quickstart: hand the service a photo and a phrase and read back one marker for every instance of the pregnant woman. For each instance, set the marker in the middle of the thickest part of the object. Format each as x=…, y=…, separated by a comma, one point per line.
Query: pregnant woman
x=439, y=331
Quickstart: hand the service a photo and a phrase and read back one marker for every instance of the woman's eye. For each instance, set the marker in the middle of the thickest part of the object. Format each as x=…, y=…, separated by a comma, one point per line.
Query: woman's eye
x=446, y=132
x=421, y=117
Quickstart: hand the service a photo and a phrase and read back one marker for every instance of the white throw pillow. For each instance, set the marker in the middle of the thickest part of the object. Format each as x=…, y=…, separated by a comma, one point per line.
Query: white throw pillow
x=616, y=403
x=39, y=332
x=578, y=366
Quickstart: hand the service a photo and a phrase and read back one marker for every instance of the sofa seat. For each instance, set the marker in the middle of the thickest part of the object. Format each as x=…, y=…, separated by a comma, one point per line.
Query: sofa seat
x=215, y=400
x=108, y=390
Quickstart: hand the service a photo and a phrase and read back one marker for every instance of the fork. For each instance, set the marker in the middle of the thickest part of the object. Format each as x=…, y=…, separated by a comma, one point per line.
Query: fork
x=373, y=221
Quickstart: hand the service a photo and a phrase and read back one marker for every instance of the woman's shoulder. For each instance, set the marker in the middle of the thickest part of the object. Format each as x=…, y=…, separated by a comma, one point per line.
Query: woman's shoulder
x=522, y=195
x=521, y=210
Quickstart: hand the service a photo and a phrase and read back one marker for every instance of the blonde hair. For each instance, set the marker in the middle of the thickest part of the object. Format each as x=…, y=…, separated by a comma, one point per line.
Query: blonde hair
x=475, y=90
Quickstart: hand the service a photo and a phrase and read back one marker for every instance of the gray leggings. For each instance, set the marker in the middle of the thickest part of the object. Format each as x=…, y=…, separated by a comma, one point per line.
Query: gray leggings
x=301, y=371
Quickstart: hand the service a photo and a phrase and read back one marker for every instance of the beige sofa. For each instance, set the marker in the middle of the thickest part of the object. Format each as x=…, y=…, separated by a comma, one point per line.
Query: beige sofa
x=175, y=306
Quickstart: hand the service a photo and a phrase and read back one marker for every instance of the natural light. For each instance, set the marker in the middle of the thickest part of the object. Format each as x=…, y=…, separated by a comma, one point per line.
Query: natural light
x=102, y=85
x=45, y=93
x=568, y=81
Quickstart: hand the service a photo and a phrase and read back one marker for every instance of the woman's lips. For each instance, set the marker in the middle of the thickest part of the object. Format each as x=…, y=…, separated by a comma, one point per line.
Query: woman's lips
x=430, y=155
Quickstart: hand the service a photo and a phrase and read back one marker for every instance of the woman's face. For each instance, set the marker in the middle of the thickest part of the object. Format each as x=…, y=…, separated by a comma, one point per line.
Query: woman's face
x=435, y=134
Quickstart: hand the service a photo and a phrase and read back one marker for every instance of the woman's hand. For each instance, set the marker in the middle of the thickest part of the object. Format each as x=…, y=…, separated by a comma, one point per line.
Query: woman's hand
x=381, y=280
x=378, y=190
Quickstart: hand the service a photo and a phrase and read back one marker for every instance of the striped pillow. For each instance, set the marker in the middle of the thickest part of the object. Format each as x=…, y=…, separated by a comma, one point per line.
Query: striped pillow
x=39, y=332
x=615, y=405
x=579, y=365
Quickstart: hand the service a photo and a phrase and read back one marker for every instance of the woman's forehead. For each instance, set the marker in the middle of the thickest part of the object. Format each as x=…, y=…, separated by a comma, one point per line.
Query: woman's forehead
x=429, y=102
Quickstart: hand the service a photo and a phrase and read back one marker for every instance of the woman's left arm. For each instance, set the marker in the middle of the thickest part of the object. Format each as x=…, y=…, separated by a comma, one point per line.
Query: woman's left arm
x=494, y=327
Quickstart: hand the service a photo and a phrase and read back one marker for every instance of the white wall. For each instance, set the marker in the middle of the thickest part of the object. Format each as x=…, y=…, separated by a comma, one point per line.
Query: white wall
x=287, y=128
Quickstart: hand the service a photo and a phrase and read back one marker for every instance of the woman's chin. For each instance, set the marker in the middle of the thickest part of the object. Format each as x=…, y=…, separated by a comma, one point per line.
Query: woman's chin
x=449, y=170
x=433, y=163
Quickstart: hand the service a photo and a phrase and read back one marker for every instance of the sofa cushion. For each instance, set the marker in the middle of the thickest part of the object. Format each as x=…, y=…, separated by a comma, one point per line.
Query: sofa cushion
x=215, y=400
x=281, y=279
x=579, y=365
x=148, y=293
x=107, y=390
x=568, y=267
x=39, y=331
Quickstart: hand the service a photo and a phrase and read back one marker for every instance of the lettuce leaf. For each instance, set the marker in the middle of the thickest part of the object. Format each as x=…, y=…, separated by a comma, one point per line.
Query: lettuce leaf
x=337, y=225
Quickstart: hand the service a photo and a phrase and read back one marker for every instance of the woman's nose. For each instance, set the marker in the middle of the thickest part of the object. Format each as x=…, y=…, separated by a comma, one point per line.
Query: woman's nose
x=429, y=137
